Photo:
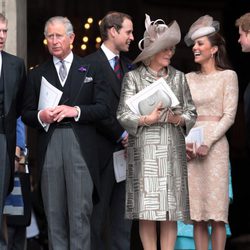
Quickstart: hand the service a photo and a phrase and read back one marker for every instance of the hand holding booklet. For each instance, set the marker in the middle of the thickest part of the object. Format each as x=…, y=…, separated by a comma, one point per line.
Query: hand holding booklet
x=49, y=97
x=196, y=135
x=194, y=139
x=145, y=101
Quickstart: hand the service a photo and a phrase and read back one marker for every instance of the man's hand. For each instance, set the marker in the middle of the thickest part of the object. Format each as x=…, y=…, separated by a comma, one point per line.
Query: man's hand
x=46, y=115
x=62, y=111
x=125, y=141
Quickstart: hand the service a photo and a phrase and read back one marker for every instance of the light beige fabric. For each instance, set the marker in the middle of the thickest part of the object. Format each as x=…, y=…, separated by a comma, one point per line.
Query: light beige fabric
x=214, y=95
x=203, y=26
x=156, y=186
x=157, y=36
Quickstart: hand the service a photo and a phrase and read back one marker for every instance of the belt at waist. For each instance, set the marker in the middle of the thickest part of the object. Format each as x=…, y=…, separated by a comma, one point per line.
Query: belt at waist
x=213, y=118
x=63, y=125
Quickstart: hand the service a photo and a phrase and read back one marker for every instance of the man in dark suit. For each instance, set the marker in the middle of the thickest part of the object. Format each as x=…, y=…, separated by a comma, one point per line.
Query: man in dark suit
x=67, y=151
x=12, y=80
x=243, y=23
x=117, y=33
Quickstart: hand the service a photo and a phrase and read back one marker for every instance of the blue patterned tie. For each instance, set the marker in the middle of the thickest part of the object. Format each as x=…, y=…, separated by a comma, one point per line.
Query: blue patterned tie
x=117, y=67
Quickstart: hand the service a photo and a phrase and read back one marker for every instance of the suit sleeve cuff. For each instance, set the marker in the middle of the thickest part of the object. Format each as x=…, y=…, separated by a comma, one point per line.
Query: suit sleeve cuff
x=124, y=134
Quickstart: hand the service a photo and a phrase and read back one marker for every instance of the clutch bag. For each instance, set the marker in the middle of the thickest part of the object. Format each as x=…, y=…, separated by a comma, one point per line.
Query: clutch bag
x=147, y=105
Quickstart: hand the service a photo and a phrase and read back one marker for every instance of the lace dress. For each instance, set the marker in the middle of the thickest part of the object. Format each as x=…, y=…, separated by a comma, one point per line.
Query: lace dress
x=215, y=94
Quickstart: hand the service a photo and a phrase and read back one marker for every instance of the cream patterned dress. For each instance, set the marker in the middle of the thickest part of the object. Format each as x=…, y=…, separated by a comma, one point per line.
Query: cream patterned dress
x=215, y=94
x=156, y=185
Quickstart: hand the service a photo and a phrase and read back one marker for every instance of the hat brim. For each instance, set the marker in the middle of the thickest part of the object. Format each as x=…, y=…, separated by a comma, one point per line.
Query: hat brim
x=201, y=31
x=169, y=39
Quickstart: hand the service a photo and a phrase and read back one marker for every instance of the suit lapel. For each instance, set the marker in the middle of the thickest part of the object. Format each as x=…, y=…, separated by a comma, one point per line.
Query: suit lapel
x=8, y=70
x=77, y=74
x=110, y=76
x=50, y=73
x=125, y=65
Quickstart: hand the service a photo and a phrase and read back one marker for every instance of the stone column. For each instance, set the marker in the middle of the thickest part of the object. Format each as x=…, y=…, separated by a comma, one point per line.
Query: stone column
x=16, y=13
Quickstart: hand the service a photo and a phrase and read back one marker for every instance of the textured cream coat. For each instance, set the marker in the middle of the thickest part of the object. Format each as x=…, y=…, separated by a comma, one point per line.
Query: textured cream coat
x=157, y=187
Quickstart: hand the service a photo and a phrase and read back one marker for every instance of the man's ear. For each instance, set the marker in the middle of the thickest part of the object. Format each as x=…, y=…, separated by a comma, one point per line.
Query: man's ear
x=72, y=37
x=113, y=31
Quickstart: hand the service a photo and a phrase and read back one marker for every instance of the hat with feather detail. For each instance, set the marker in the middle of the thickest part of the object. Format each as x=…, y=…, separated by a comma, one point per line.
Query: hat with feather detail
x=203, y=26
x=157, y=37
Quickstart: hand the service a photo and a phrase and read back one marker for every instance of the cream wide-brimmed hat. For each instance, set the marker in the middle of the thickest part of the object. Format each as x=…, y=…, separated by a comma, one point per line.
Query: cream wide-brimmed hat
x=203, y=26
x=157, y=36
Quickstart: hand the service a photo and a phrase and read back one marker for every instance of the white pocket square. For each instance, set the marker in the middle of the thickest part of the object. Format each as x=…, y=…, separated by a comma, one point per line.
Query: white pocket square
x=88, y=79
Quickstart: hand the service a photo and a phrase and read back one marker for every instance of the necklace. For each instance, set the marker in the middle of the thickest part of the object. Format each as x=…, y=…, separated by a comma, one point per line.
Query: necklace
x=160, y=73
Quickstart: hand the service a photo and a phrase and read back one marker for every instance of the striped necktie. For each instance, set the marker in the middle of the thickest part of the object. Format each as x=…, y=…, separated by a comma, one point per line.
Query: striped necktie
x=117, y=67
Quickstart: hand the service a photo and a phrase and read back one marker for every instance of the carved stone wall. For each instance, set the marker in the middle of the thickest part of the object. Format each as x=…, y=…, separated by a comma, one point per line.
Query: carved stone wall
x=16, y=13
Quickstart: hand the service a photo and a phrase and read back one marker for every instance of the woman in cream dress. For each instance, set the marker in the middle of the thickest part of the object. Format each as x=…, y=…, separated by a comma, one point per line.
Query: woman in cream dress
x=214, y=89
x=156, y=185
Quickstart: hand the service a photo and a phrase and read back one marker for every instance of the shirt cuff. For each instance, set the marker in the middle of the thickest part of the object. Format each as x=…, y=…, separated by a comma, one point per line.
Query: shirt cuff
x=124, y=134
x=78, y=113
x=44, y=125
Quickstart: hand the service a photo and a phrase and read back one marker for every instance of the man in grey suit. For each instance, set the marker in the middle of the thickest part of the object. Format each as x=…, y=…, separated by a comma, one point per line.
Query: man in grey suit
x=116, y=30
x=67, y=149
x=12, y=80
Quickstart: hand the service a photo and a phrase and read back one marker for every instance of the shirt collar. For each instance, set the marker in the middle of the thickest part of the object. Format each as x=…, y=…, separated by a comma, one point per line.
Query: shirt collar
x=109, y=54
x=67, y=59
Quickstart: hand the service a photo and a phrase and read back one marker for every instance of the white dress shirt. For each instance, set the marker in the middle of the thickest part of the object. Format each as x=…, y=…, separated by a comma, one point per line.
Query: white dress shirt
x=67, y=61
x=110, y=55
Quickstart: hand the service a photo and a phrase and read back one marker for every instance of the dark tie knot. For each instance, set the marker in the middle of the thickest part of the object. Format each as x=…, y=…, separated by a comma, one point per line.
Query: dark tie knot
x=116, y=59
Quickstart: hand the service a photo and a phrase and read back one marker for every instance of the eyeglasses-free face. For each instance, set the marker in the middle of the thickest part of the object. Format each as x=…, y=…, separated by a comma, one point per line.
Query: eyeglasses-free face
x=58, y=40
